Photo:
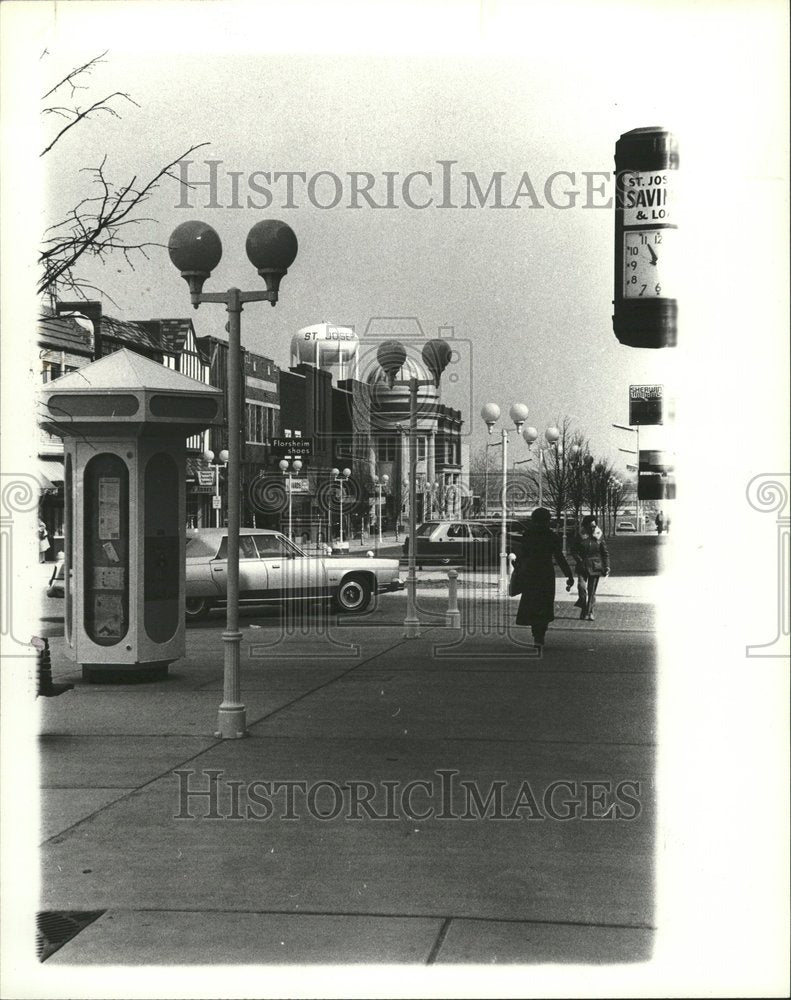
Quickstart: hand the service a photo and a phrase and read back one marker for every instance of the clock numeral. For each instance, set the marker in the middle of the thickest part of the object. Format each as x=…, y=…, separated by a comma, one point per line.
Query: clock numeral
x=658, y=289
x=633, y=251
x=658, y=238
x=643, y=288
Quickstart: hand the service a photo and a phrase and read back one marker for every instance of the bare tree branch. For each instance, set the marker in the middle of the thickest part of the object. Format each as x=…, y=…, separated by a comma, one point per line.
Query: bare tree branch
x=70, y=77
x=80, y=115
x=97, y=225
x=103, y=221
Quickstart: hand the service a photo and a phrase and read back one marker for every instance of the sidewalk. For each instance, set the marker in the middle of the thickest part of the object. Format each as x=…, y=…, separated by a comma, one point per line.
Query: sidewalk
x=342, y=706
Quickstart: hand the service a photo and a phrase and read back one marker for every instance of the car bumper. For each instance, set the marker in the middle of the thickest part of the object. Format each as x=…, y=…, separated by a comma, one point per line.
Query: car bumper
x=389, y=588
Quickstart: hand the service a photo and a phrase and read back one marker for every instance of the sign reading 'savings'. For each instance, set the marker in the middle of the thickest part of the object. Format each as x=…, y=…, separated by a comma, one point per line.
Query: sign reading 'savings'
x=646, y=239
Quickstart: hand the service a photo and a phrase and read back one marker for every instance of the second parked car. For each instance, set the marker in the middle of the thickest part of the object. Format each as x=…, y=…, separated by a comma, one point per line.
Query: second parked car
x=462, y=543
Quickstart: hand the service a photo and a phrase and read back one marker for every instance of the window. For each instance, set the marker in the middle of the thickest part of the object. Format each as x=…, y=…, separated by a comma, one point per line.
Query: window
x=458, y=531
x=386, y=449
x=480, y=531
x=272, y=546
x=247, y=549
x=425, y=529
x=50, y=370
x=257, y=423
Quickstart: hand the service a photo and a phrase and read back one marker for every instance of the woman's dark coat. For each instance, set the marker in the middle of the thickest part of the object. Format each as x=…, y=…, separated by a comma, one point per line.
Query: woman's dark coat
x=535, y=575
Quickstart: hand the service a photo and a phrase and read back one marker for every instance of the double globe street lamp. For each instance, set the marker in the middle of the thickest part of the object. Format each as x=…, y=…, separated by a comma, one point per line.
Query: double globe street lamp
x=391, y=355
x=380, y=484
x=490, y=414
x=222, y=459
x=289, y=473
x=195, y=250
x=340, y=478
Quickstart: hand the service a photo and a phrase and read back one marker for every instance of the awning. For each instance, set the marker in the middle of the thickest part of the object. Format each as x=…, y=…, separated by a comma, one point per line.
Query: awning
x=49, y=475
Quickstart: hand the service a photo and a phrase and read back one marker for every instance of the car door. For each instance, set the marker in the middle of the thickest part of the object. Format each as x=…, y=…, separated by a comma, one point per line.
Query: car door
x=252, y=571
x=457, y=543
x=480, y=545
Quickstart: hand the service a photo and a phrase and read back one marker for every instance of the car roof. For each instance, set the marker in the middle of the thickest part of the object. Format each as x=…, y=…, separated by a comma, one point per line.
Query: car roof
x=219, y=533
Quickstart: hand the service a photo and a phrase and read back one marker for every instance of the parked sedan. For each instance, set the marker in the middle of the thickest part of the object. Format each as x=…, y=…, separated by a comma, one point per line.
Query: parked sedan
x=274, y=569
x=460, y=543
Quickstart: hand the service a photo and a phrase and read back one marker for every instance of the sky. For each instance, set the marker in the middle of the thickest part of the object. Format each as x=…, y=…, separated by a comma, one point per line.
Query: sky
x=527, y=291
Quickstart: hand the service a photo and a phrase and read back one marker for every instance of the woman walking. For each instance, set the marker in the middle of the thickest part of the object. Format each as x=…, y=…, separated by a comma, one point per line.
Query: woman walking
x=593, y=562
x=534, y=574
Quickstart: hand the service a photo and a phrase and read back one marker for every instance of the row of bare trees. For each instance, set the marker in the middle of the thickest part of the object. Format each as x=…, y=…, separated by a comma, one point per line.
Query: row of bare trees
x=564, y=476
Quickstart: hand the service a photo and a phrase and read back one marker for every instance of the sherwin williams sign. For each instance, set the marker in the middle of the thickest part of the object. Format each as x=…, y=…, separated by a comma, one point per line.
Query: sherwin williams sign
x=646, y=404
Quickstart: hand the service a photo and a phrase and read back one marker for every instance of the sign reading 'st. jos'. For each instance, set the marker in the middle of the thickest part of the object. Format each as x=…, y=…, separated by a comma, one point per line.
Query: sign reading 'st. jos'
x=646, y=227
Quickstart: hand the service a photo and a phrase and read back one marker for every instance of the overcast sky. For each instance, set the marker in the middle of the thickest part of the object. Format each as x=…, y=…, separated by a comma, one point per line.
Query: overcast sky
x=529, y=289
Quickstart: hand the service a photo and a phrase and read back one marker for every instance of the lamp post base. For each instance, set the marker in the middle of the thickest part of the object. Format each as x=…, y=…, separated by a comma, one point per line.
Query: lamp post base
x=411, y=622
x=231, y=722
x=232, y=715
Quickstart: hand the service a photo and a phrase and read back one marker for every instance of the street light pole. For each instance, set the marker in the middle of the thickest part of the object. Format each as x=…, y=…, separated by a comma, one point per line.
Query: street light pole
x=391, y=356
x=195, y=250
x=490, y=413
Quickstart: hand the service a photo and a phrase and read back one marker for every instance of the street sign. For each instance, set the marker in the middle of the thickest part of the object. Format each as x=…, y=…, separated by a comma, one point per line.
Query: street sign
x=297, y=485
x=656, y=478
x=291, y=446
x=646, y=404
x=216, y=502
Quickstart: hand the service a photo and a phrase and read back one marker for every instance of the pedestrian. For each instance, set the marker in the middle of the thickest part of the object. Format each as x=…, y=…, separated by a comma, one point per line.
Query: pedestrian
x=593, y=562
x=43, y=541
x=534, y=574
x=659, y=521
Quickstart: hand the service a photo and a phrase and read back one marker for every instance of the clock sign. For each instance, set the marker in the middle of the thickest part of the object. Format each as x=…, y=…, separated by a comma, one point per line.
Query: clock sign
x=646, y=231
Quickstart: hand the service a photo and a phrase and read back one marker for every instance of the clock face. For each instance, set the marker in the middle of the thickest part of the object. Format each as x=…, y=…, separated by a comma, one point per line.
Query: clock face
x=649, y=258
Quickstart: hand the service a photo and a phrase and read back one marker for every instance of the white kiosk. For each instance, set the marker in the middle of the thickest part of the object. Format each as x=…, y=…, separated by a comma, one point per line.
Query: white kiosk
x=124, y=420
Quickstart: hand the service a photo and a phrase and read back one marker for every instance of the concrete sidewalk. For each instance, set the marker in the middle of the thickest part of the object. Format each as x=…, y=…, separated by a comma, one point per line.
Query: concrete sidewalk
x=359, y=709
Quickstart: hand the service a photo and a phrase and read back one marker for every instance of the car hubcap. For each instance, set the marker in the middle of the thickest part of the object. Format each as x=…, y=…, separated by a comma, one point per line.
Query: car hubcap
x=351, y=595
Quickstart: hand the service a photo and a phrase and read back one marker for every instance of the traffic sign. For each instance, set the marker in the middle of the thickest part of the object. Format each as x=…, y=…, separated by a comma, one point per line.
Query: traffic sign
x=216, y=502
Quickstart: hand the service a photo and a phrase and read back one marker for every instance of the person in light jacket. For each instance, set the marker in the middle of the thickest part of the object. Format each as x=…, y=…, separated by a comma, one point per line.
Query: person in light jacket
x=534, y=574
x=593, y=562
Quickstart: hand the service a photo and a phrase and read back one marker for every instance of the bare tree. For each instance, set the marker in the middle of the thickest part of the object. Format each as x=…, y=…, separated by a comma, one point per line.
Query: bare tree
x=107, y=219
x=486, y=478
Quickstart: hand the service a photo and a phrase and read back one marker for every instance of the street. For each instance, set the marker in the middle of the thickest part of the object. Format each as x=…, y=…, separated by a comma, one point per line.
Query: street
x=350, y=708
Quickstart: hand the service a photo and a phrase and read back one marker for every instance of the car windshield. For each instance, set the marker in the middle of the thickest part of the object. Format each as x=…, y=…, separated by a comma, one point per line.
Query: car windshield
x=427, y=528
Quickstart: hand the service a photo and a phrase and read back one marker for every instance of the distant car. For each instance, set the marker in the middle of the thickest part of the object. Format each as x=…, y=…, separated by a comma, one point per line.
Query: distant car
x=274, y=569
x=461, y=543
x=624, y=526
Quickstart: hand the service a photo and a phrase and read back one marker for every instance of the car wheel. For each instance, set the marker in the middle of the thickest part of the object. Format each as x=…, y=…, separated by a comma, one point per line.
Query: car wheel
x=353, y=596
x=196, y=608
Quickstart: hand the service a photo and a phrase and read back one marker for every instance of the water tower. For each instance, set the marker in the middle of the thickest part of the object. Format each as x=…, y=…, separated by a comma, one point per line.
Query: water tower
x=328, y=347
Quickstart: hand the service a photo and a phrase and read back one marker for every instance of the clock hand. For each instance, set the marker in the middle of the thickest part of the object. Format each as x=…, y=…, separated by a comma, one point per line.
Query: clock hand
x=654, y=257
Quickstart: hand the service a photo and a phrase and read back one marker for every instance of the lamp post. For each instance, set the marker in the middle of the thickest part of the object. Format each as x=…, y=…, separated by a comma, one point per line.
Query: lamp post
x=195, y=250
x=638, y=512
x=341, y=478
x=208, y=456
x=530, y=434
x=380, y=484
x=296, y=466
x=391, y=356
x=490, y=414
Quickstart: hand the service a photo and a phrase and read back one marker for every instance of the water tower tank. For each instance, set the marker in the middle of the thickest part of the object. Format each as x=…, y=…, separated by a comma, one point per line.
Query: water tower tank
x=327, y=346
